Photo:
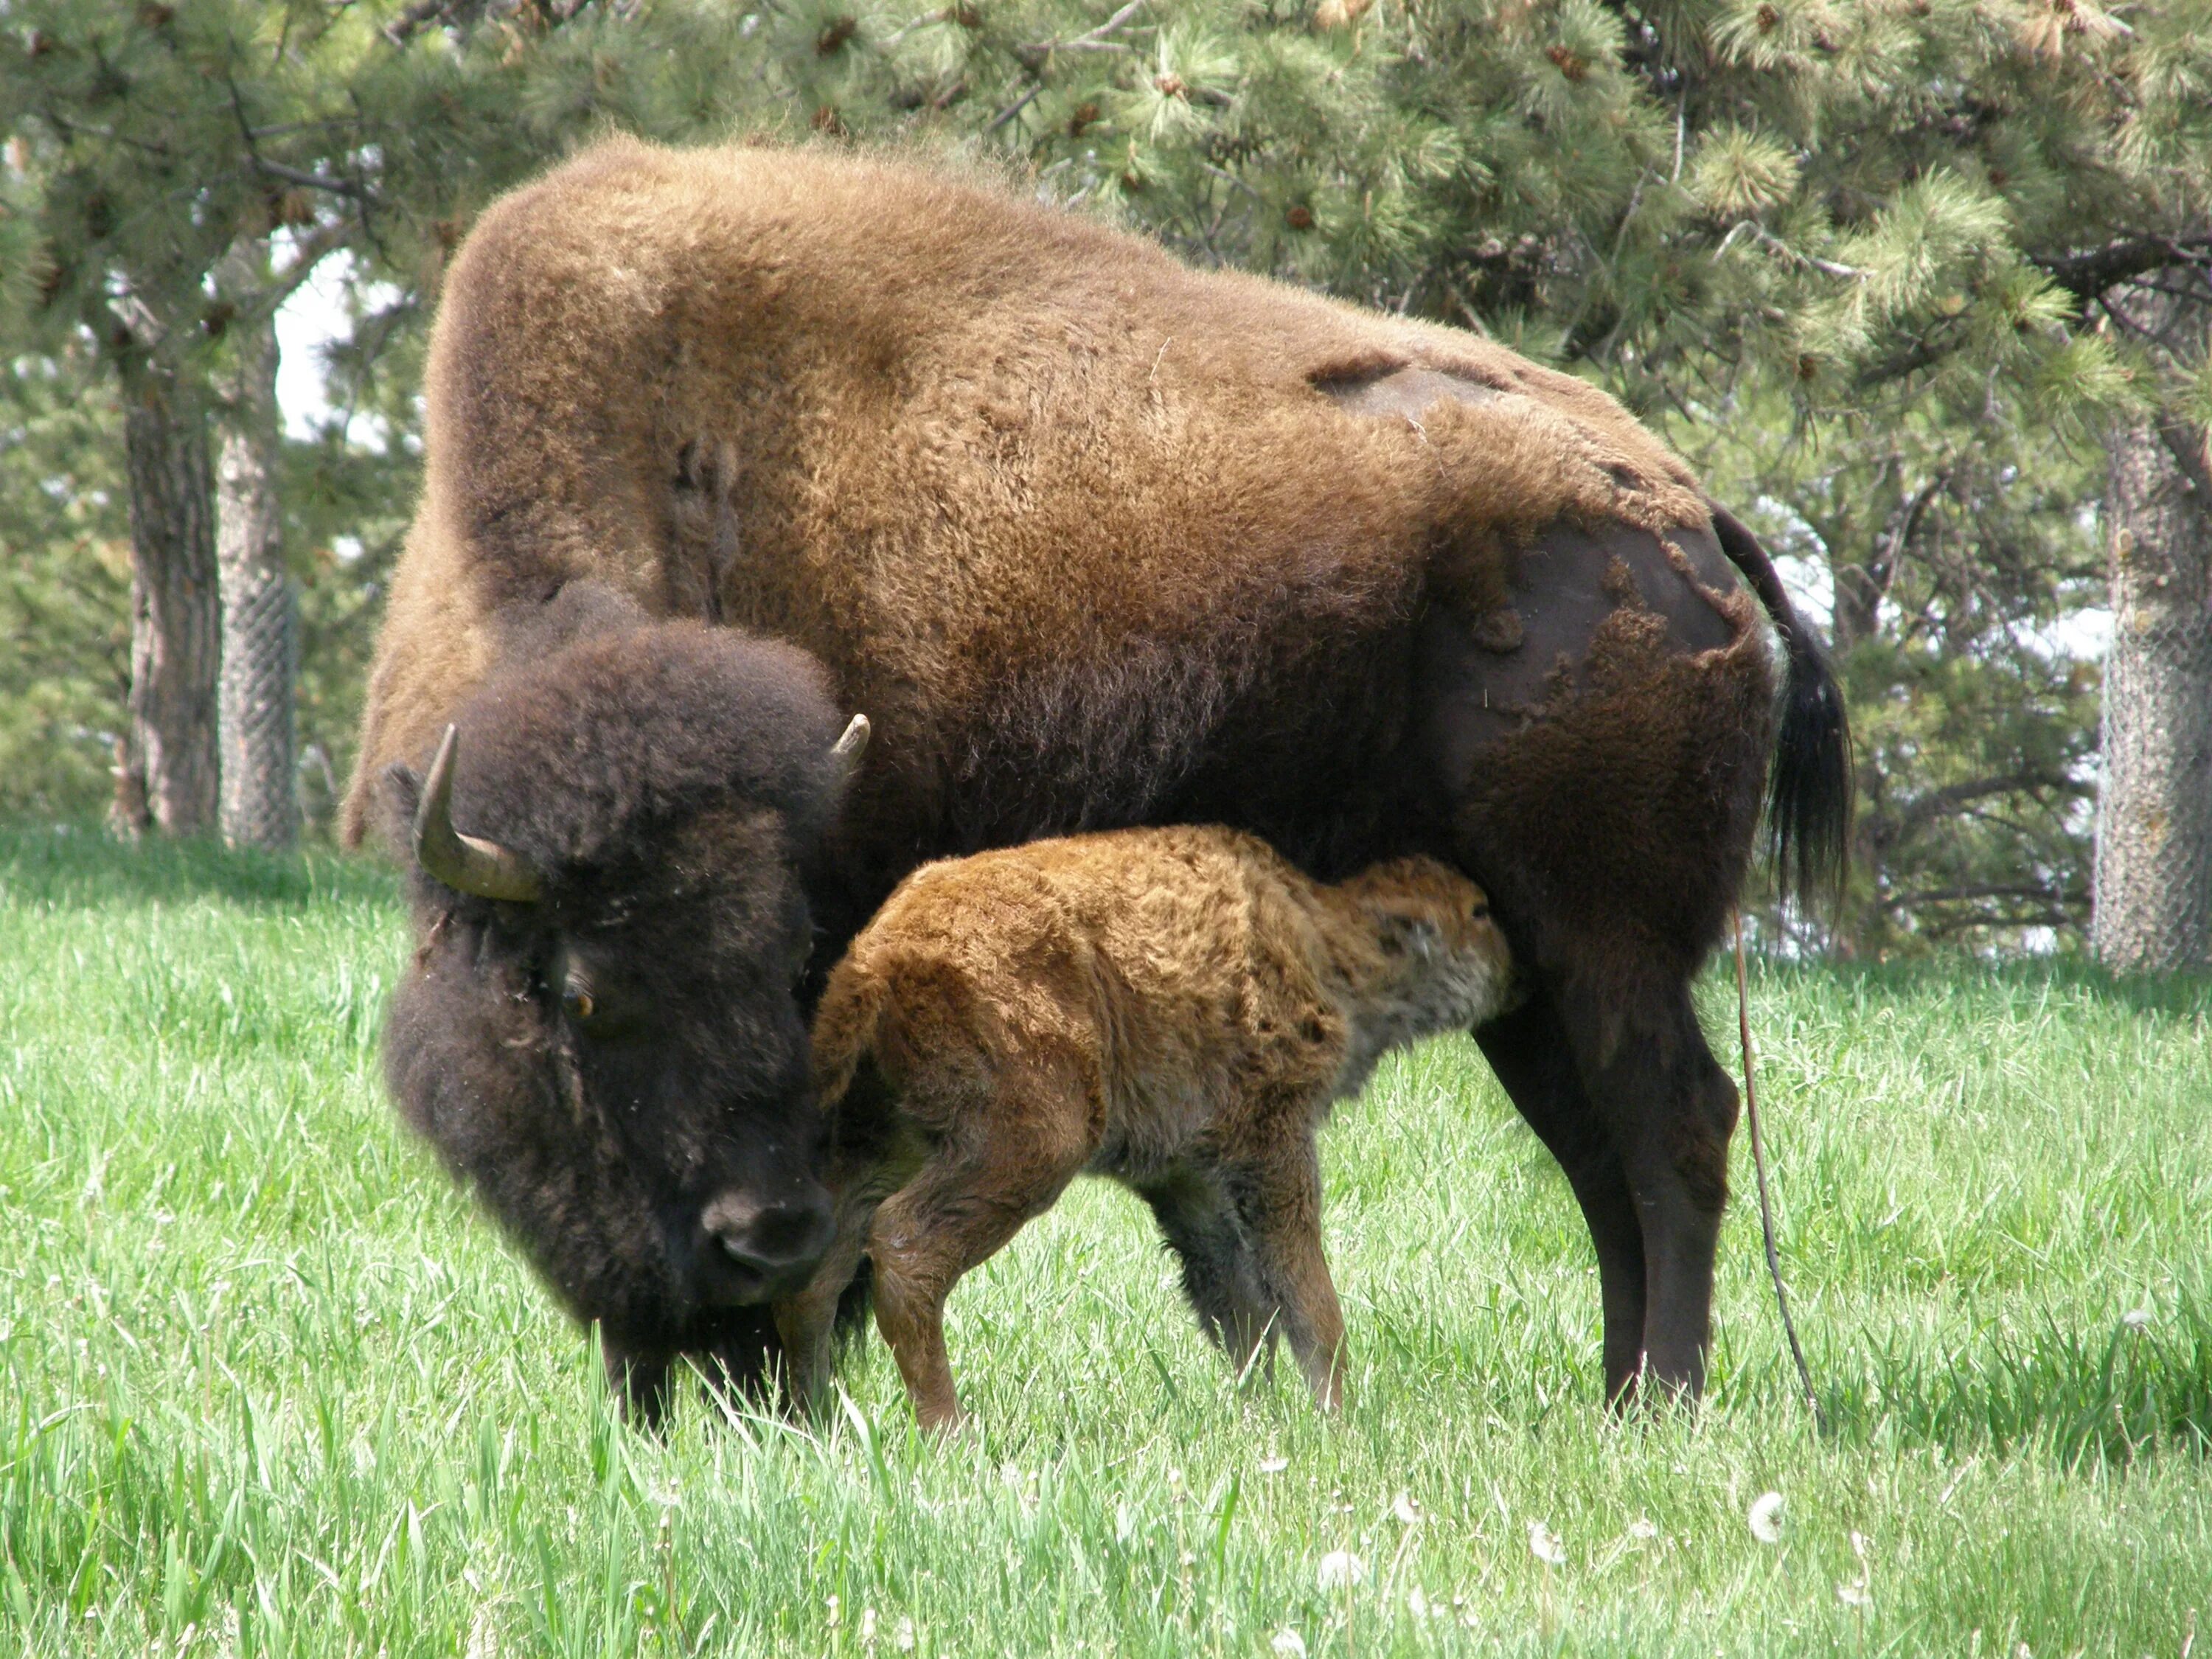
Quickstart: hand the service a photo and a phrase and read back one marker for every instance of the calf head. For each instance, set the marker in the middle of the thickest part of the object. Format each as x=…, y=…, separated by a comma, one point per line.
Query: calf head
x=599, y=1029
x=1442, y=962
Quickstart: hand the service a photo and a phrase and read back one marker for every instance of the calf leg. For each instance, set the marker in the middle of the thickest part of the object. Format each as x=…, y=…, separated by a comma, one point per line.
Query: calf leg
x=1002, y=1163
x=1278, y=1197
x=1218, y=1274
x=1535, y=1059
x=807, y=1323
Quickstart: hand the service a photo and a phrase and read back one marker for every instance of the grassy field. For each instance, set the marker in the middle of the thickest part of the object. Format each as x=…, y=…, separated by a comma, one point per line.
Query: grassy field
x=268, y=1385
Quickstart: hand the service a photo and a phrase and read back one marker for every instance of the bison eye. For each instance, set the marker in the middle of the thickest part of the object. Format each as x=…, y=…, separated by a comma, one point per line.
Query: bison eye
x=576, y=999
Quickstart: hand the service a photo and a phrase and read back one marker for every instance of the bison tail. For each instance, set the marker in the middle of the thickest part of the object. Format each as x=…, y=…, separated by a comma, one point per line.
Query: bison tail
x=1810, y=792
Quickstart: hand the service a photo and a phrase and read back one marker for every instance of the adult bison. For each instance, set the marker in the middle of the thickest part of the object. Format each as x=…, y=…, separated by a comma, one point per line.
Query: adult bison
x=1098, y=540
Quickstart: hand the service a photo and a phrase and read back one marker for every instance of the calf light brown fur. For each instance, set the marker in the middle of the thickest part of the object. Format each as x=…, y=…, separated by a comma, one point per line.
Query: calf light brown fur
x=1097, y=540
x=1177, y=1009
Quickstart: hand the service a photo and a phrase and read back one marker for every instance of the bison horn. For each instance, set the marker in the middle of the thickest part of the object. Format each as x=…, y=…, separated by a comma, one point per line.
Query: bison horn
x=850, y=747
x=464, y=863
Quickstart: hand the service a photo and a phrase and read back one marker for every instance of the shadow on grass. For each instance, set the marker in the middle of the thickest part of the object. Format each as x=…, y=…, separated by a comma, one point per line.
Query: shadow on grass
x=81, y=866
x=2105, y=1394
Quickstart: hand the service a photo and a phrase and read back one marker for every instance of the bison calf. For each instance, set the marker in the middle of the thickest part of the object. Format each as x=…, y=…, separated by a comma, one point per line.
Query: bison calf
x=1176, y=1008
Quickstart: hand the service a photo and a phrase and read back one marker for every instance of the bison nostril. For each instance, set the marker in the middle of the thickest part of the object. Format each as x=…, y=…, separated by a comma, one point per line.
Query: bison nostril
x=779, y=1241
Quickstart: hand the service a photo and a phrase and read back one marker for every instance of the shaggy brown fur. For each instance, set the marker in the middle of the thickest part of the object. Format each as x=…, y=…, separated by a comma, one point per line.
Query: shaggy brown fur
x=1007, y=472
x=1177, y=1009
x=1097, y=540
x=619, y=1068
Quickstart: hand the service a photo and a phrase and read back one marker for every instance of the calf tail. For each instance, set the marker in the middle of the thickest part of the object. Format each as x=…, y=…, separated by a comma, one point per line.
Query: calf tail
x=1811, y=793
x=846, y=1024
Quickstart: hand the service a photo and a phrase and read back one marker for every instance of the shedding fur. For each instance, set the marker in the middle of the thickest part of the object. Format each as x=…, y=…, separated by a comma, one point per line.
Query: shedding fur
x=1011, y=475
x=1096, y=541
x=1177, y=1009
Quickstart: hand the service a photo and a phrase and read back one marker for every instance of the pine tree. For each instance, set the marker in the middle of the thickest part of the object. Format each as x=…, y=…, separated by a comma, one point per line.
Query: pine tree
x=260, y=798
x=1870, y=264
x=144, y=141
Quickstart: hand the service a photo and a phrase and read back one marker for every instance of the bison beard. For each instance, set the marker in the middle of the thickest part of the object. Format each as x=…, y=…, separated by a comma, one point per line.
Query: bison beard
x=1097, y=541
x=598, y=1029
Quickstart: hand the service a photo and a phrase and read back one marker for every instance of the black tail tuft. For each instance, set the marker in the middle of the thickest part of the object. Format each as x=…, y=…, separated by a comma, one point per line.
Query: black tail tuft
x=1810, y=792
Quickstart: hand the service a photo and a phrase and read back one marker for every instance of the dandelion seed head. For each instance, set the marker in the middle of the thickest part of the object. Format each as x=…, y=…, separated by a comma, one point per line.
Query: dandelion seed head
x=1854, y=1596
x=1273, y=1464
x=1643, y=1527
x=1340, y=1570
x=1289, y=1643
x=1765, y=1517
x=1544, y=1544
x=2136, y=1318
x=1405, y=1508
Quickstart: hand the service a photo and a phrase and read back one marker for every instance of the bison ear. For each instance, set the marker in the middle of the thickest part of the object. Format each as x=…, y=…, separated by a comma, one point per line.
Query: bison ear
x=1403, y=933
x=402, y=789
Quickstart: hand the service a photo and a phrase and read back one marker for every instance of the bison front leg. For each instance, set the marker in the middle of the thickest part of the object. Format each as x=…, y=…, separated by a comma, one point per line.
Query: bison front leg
x=1529, y=1050
x=1278, y=1197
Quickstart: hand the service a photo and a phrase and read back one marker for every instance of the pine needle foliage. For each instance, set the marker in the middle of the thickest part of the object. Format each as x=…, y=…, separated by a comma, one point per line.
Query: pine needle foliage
x=1826, y=245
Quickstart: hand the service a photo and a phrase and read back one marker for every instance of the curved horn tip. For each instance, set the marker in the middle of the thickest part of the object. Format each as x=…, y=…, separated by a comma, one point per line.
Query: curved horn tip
x=467, y=864
x=854, y=742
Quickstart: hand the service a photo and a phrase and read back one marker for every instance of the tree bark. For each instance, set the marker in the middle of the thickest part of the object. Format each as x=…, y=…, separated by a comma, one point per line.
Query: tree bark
x=2154, y=880
x=167, y=771
x=260, y=794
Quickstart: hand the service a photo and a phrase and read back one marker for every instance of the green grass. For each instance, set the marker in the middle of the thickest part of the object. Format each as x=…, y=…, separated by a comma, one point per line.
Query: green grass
x=268, y=1385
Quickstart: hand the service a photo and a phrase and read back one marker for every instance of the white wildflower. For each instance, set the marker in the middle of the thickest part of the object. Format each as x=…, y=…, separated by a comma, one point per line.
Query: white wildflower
x=1416, y=1603
x=1544, y=1544
x=1273, y=1464
x=1765, y=1517
x=1405, y=1508
x=1288, y=1643
x=1340, y=1570
x=902, y=1637
x=1854, y=1594
x=1643, y=1527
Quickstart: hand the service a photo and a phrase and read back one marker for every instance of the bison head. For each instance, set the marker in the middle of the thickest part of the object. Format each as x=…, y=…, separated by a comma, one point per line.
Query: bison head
x=599, y=1029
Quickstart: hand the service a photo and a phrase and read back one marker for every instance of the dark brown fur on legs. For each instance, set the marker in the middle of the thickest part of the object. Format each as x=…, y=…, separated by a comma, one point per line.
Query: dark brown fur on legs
x=1097, y=540
x=1534, y=1061
x=1177, y=1009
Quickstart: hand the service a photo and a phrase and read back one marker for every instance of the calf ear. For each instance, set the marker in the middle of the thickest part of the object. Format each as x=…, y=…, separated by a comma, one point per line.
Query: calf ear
x=1404, y=934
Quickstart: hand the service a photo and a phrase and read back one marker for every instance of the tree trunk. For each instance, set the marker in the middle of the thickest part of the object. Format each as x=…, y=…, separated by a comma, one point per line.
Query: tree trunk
x=167, y=770
x=260, y=796
x=2153, y=882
